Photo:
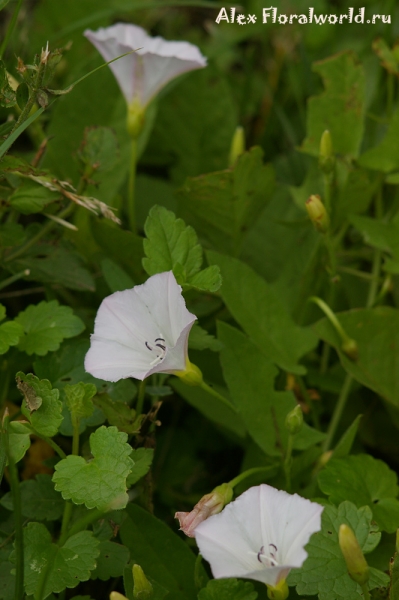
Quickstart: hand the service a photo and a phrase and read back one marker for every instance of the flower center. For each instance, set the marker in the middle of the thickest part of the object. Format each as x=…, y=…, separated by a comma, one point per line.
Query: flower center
x=159, y=348
x=268, y=559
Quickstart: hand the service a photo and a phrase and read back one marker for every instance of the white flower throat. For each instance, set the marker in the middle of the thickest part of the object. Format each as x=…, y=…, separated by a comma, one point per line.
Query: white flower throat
x=158, y=348
x=268, y=559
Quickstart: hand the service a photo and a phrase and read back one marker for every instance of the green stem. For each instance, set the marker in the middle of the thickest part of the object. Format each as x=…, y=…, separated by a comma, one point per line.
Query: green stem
x=19, y=536
x=132, y=184
x=377, y=256
x=75, y=452
x=41, y=586
x=331, y=317
x=246, y=474
x=338, y=410
x=216, y=394
x=288, y=461
x=75, y=438
x=140, y=397
x=10, y=28
x=365, y=590
x=53, y=445
x=14, y=278
x=308, y=402
x=44, y=230
x=81, y=524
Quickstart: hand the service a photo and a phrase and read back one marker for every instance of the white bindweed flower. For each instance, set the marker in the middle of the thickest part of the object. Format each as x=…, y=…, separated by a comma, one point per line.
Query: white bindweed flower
x=141, y=331
x=154, y=63
x=261, y=535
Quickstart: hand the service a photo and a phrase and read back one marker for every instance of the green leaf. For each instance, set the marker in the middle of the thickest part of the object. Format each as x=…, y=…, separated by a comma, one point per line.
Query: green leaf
x=173, y=246
x=99, y=149
x=386, y=56
x=70, y=564
x=344, y=445
x=363, y=480
x=324, y=571
x=160, y=552
x=7, y=94
x=394, y=573
x=111, y=562
x=41, y=404
x=169, y=241
x=385, y=156
x=376, y=365
x=7, y=580
x=19, y=439
x=206, y=404
x=11, y=234
x=224, y=205
x=22, y=95
x=31, y=198
x=379, y=234
x=46, y=325
x=340, y=108
x=39, y=500
x=117, y=279
x=119, y=414
x=100, y=483
x=200, y=339
x=79, y=399
x=256, y=306
x=10, y=332
x=228, y=589
x=142, y=459
x=250, y=378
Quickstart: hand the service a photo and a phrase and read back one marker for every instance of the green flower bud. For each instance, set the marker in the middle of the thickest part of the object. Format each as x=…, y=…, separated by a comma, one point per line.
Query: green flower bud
x=294, y=420
x=357, y=566
x=350, y=348
x=279, y=592
x=237, y=145
x=326, y=155
x=191, y=375
x=317, y=213
x=135, y=118
x=142, y=587
x=117, y=596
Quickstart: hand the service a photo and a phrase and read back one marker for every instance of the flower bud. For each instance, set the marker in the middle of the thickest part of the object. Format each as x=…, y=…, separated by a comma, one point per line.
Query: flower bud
x=317, y=213
x=135, y=118
x=117, y=596
x=210, y=504
x=142, y=589
x=357, y=566
x=350, y=348
x=279, y=592
x=326, y=155
x=191, y=375
x=237, y=145
x=294, y=420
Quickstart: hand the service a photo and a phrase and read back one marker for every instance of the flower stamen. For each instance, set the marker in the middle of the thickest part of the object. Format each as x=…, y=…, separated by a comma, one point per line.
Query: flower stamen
x=268, y=561
x=159, y=358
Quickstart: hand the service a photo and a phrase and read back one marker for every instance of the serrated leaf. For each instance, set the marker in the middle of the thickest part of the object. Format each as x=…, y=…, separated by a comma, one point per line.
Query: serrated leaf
x=32, y=198
x=79, y=399
x=46, y=325
x=19, y=439
x=39, y=500
x=160, y=552
x=119, y=414
x=363, y=480
x=224, y=205
x=10, y=334
x=376, y=366
x=41, y=404
x=256, y=306
x=228, y=589
x=200, y=339
x=111, y=561
x=207, y=280
x=71, y=563
x=142, y=459
x=324, y=571
x=7, y=94
x=100, y=483
x=340, y=108
x=169, y=241
x=250, y=378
